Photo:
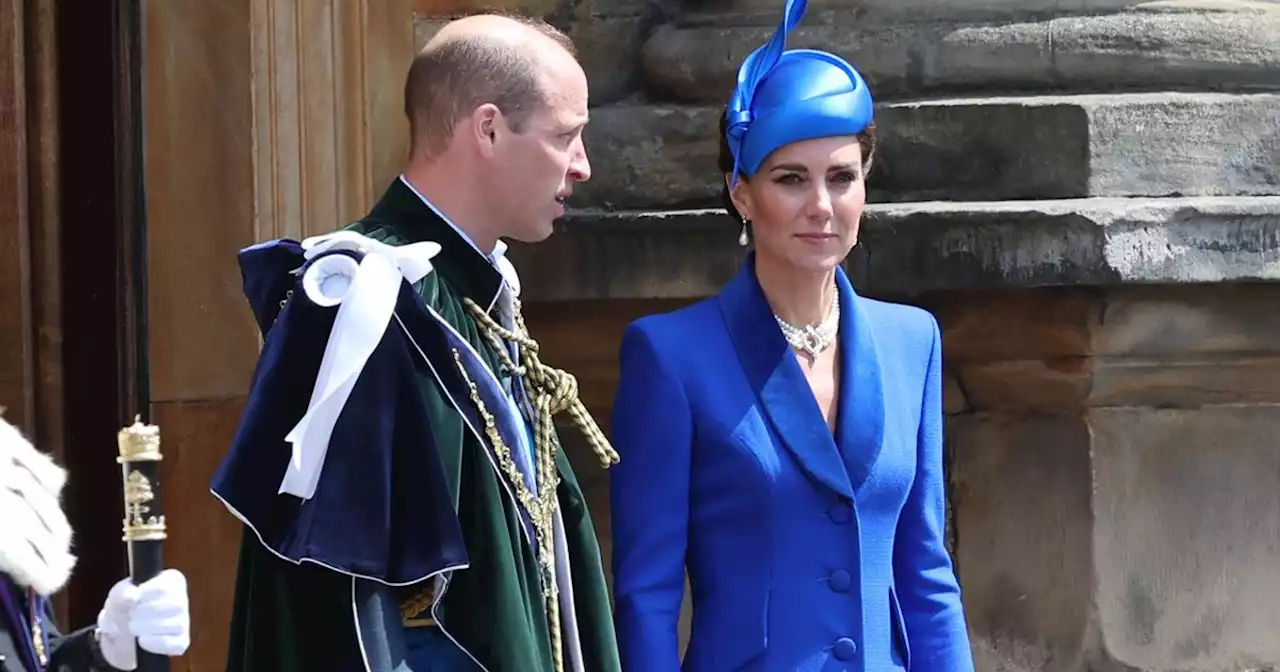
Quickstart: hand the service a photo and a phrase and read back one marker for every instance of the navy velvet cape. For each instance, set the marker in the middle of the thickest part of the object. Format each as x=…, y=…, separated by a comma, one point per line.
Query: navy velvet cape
x=382, y=509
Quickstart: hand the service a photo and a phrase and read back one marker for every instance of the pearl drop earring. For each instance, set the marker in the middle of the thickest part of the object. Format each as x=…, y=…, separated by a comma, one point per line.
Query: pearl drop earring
x=743, y=238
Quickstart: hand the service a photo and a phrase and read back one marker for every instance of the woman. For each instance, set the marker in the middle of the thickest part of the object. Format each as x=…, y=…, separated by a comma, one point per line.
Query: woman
x=789, y=457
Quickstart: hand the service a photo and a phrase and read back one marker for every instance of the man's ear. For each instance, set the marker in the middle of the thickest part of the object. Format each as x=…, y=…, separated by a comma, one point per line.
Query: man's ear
x=739, y=195
x=486, y=125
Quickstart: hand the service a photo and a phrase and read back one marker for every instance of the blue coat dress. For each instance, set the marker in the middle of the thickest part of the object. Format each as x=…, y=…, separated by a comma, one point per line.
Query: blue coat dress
x=804, y=550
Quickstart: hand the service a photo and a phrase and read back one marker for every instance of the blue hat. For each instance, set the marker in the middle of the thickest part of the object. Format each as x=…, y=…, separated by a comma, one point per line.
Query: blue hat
x=788, y=96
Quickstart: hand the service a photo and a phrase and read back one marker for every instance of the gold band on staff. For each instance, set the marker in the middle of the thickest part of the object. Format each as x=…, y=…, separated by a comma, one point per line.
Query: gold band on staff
x=140, y=443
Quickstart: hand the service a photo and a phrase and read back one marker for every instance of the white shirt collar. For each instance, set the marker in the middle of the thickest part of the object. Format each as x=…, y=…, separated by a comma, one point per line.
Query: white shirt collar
x=498, y=257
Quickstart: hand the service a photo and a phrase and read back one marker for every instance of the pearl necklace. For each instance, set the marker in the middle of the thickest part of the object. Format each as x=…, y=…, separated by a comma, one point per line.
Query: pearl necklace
x=813, y=339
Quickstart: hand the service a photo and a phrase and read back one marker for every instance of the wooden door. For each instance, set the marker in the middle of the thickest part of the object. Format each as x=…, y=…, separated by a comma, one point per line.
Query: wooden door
x=264, y=118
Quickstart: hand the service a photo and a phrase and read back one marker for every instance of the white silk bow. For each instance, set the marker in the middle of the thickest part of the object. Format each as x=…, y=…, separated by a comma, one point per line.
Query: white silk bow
x=365, y=293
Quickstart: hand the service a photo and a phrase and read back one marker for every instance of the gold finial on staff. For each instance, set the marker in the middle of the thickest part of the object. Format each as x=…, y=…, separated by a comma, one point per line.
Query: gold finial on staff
x=140, y=443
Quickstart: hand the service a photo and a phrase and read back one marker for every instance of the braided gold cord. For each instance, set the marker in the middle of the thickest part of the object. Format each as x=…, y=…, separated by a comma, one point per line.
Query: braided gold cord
x=558, y=387
x=540, y=507
x=550, y=391
x=553, y=630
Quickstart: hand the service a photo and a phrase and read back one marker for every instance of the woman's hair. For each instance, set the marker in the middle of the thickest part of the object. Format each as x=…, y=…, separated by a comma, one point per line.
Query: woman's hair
x=866, y=141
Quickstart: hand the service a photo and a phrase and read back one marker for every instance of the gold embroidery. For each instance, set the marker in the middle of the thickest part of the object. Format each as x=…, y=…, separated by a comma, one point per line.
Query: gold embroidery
x=412, y=609
x=287, y=295
x=37, y=640
x=541, y=509
x=550, y=391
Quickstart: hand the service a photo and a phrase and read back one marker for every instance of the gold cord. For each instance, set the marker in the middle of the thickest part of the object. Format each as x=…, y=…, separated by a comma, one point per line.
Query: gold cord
x=540, y=507
x=37, y=632
x=37, y=640
x=552, y=390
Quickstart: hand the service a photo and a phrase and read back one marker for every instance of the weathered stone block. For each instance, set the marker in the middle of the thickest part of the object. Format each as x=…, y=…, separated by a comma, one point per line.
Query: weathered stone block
x=1021, y=492
x=1190, y=383
x=1155, y=46
x=645, y=156
x=608, y=46
x=1131, y=538
x=914, y=247
x=875, y=13
x=1100, y=241
x=1187, y=347
x=1015, y=325
x=609, y=50
x=1028, y=386
x=1053, y=350
x=452, y=8
x=1079, y=147
x=1195, y=321
x=587, y=10
x=976, y=149
x=1186, y=537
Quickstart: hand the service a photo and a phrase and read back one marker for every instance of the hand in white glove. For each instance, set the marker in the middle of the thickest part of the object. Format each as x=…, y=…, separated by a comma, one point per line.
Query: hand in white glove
x=154, y=615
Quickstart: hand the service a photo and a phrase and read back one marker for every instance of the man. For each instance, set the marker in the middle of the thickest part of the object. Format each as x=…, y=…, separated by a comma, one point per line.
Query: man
x=397, y=470
x=36, y=561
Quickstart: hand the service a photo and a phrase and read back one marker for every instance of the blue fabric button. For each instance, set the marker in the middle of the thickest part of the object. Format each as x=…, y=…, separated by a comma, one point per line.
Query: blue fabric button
x=839, y=513
x=840, y=581
x=845, y=648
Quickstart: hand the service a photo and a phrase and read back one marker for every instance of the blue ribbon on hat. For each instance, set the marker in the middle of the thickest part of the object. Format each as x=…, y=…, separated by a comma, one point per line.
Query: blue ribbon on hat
x=787, y=96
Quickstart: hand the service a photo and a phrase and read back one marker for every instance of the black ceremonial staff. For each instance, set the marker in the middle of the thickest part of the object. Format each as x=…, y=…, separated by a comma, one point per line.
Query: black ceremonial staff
x=144, y=527
x=139, y=444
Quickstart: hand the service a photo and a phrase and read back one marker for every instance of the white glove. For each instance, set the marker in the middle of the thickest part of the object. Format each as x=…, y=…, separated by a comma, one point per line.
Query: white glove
x=154, y=615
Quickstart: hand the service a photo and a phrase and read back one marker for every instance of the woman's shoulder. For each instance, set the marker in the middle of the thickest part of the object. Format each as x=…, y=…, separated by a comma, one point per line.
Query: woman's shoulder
x=913, y=327
x=667, y=336
x=673, y=326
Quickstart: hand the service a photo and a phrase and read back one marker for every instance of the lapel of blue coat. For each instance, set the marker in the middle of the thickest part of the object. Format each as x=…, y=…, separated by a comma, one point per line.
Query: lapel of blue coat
x=778, y=381
x=860, y=418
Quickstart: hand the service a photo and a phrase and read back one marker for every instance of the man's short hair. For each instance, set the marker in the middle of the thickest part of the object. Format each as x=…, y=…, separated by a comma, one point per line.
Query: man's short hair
x=449, y=81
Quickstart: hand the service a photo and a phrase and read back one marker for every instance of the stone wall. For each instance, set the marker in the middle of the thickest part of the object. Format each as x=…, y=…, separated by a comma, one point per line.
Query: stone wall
x=1087, y=196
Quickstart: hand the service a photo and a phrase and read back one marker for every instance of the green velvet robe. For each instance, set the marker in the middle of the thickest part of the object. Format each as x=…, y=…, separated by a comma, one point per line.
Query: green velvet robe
x=298, y=618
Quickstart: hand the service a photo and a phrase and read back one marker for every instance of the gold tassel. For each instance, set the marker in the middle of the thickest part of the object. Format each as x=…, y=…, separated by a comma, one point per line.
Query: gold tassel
x=557, y=387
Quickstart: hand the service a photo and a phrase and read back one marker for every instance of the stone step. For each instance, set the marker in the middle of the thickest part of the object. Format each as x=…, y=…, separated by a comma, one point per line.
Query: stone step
x=1040, y=147
x=1150, y=46
x=864, y=14
x=907, y=248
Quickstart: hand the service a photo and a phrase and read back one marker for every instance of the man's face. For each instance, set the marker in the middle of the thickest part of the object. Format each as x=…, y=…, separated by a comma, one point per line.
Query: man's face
x=537, y=169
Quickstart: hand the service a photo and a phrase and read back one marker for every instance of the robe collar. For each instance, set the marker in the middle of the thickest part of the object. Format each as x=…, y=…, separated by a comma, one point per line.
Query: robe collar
x=460, y=262
x=14, y=613
x=778, y=381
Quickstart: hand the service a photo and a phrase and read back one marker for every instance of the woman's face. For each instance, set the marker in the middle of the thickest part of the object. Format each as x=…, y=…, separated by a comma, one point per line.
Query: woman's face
x=805, y=202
